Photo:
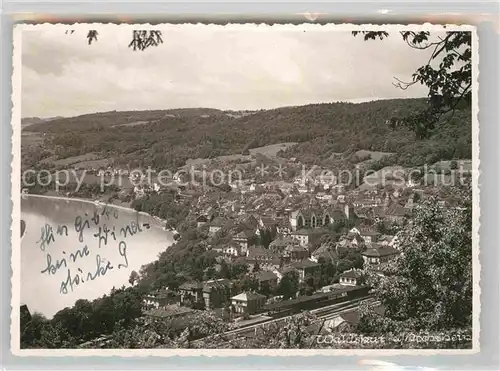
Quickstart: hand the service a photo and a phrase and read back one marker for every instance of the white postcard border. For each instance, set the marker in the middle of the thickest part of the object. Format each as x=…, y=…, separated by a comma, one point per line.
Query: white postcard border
x=16, y=196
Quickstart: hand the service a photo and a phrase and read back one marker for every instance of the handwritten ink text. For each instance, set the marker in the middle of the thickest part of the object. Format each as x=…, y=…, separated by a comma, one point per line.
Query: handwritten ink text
x=47, y=236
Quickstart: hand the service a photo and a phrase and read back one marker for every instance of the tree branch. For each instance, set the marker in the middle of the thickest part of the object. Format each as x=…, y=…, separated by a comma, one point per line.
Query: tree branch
x=402, y=84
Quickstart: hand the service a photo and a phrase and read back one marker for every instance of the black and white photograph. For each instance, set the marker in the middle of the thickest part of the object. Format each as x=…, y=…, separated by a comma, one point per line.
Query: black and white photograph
x=244, y=189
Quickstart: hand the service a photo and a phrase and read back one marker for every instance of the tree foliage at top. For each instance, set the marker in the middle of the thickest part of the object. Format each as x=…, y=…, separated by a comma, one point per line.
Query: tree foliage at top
x=447, y=75
x=141, y=39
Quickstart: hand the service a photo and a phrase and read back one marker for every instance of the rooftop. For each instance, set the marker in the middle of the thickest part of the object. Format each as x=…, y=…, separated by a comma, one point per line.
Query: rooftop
x=326, y=251
x=304, y=264
x=246, y=296
x=218, y=222
x=352, y=273
x=308, y=232
x=259, y=251
x=268, y=222
x=245, y=234
x=353, y=317
x=219, y=283
x=283, y=241
x=368, y=232
x=265, y=276
x=397, y=210
x=170, y=311
x=380, y=251
x=191, y=286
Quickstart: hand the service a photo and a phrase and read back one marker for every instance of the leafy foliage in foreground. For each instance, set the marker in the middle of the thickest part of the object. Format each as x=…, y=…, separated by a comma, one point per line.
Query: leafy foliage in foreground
x=147, y=333
x=84, y=321
x=429, y=287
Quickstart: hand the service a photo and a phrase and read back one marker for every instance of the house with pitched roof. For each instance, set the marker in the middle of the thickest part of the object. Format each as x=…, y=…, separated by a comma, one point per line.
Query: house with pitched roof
x=352, y=240
x=268, y=223
x=245, y=239
x=233, y=249
x=214, y=293
x=247, y=302
x=201, y=220
x=191, y=292
x=377, y=254
x=216, y=225
x=308, y=236
x=369, y=235
x=160, y=299
x=305, y=268
x=295, y=253
x=317, y=217
x=397, y=213
x=261, y=254
x=326, y=251
x=279, y=245
x=352, y=277
x=268, y=280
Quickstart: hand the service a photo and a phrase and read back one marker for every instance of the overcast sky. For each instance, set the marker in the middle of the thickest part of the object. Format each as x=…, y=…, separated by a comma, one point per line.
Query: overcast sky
x=199, y=66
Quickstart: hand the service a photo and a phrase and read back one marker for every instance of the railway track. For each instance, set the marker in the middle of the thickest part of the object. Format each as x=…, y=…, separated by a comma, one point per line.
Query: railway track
x=321, y=313
x=331, y=312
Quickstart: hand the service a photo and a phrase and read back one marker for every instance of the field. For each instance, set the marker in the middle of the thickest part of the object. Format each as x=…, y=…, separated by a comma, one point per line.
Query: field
x=395, y=174
x=272, y=149
x=392, y=174
x=93, y=164
x=374, y=155
x=71, y=160
x=29, y=139
x=94, y=161
x=135, y=123
x=446, y=165
x=231, y=158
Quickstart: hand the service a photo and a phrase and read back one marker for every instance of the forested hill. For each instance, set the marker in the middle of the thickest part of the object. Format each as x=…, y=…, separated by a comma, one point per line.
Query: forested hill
x=27, y=121
x=170, y=137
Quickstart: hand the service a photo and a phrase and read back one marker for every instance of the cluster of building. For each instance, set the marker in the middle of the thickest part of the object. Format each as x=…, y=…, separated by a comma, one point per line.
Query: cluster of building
x=218, y=294
x=288, y=250
x=294, y=234
x=211, y=294
x=276, y=227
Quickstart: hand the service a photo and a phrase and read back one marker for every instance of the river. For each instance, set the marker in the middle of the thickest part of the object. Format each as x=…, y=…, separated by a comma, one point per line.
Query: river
x=66, y=254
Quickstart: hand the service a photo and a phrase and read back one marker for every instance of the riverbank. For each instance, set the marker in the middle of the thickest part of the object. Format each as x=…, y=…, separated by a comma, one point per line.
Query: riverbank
x=56, y=197
x=99, y=203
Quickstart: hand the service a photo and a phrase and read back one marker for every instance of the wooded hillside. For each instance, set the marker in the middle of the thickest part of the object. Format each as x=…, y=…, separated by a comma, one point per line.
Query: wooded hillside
x=168, y=138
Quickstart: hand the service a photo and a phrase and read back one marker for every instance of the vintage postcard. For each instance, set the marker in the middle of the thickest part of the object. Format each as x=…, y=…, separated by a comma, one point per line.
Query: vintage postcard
x=193, y=189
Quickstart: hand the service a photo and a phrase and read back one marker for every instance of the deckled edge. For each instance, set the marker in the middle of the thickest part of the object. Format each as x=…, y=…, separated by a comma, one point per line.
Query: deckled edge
x=15, y=181
x=476, y=210
x=15, y=262
x=242, y=26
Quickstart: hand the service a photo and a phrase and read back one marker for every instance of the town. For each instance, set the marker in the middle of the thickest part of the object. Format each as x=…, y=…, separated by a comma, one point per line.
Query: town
x=276, y=248
x=261, y=238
